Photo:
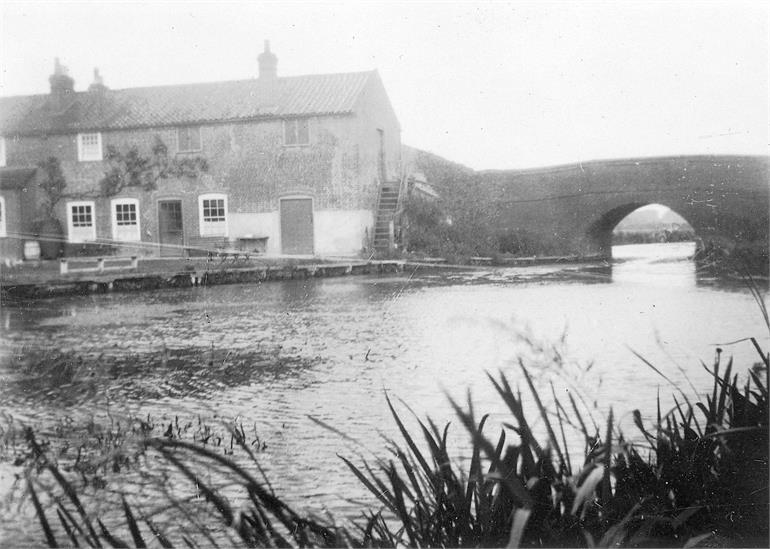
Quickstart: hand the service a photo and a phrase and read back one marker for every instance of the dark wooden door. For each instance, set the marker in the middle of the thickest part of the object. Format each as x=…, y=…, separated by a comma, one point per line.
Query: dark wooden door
x=297, y=226
x=170, y=230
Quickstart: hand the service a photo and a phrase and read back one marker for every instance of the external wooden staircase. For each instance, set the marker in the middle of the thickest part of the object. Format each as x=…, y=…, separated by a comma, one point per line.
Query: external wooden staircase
x=388, y=207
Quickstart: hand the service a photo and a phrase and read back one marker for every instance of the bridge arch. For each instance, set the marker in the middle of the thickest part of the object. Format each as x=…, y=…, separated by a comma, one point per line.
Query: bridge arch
x=572, y=209
x=600, y=232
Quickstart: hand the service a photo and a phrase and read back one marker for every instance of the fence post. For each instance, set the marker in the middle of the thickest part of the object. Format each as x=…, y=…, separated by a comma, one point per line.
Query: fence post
x=100, y=264
x=63, y=267
x=134, y=262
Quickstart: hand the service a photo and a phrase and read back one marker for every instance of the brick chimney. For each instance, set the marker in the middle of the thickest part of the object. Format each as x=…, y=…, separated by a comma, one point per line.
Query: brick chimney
x=97, y=86
x=268, y=63
x=62, y=86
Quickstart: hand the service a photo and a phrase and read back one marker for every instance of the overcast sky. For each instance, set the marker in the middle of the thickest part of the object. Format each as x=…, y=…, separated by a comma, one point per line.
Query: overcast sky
x=487, y=84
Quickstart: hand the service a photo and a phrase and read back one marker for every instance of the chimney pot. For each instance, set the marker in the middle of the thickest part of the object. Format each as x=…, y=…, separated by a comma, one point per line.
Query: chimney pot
x=268, y=63
x=98, y=83
x=62, y=86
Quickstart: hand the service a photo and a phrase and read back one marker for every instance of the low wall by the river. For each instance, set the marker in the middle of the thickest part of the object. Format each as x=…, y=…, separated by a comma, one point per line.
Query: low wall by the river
x=147, y=282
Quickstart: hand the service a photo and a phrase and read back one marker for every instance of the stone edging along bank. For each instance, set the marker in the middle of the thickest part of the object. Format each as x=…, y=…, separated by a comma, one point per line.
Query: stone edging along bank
x=130, y=282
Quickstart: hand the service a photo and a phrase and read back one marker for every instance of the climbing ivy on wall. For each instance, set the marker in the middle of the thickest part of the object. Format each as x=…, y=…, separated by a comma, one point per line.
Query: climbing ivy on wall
x=133, y=169
x=52, y=183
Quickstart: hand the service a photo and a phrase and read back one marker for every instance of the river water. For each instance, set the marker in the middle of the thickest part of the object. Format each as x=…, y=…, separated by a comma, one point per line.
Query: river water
x=287, y=357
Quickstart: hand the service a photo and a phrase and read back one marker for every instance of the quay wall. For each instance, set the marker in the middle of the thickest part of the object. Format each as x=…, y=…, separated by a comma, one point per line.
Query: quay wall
x=131, y=281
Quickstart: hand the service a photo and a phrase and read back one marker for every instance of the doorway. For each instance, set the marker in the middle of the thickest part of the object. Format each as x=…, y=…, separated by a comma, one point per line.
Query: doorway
x=297, y=226
x=170, y=229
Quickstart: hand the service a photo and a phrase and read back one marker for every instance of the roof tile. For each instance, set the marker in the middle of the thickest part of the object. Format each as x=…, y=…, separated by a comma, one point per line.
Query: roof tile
x=289, y=96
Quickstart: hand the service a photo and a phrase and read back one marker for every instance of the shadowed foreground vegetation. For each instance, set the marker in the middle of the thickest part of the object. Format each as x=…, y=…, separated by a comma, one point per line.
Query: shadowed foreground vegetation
x=696, y=476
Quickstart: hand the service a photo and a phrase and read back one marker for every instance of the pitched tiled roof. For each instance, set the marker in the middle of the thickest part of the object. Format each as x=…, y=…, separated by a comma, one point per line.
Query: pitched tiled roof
x=322, y=94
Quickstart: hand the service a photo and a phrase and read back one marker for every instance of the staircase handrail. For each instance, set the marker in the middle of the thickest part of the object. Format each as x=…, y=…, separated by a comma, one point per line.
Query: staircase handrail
x=402, y=190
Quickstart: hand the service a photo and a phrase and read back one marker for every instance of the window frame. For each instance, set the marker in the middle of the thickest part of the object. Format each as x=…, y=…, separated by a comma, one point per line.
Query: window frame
x=294, y=123
x=212, y=228
x=187, y=129
x=3, y=218
x=83, y=155
x=114, y=203
x=2, y=152
x=71, y=228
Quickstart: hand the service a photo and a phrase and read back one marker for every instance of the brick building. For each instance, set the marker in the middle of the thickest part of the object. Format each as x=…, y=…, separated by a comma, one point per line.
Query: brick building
x=298, y=160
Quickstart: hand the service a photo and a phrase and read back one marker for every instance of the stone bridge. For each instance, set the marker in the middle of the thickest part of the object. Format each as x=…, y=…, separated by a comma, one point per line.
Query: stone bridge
x=572, y=209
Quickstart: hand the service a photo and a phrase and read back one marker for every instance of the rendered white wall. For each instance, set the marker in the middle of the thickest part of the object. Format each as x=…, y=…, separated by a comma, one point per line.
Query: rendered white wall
x=336, y=232
x=341, y=232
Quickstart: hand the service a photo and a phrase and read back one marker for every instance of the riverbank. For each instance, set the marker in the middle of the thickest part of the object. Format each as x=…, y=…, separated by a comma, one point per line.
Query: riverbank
x=41, y=279
x=45, y=278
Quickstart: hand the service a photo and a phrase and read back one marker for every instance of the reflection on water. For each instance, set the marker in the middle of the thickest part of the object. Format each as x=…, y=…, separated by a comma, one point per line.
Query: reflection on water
x=670, y=264
x=279, y=352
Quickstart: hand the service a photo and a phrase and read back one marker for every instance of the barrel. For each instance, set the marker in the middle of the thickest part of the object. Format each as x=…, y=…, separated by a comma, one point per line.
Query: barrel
x=31, y=250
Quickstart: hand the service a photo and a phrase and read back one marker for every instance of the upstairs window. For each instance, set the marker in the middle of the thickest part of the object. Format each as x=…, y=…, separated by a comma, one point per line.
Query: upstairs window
x=213, y=214
x=89, y=147
x=2, y=218
x=188, y=139
x=296, y=132
x=2, y=152
x=81, y=224
x=125, y=220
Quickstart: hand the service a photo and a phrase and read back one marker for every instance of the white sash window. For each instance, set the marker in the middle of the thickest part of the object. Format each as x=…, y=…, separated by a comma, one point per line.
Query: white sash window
x=81, y=221
x=89, y=147
x=125, y=220
x=213, y=214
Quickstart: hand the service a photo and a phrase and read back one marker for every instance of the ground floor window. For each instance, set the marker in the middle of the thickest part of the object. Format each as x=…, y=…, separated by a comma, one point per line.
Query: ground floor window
x=2, y=217
x=125, y=220
x=80, y=221
x=213, y=214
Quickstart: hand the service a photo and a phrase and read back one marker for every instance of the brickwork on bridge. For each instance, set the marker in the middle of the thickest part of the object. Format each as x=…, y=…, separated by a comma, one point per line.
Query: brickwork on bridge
x=574, y=208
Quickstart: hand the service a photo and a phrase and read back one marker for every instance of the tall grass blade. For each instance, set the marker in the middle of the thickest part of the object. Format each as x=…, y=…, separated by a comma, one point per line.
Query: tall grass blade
x=587, y=489
x=606, y=487
x=561, y=428
x=510, y=479
x=162, y=539
x=723, y=390
x=49, y=537
x=408, y=438
x=407, y=466
x=76, y=526
x=696, y=540
x=474, y=472
x=133, y=526
x=112, y=540
x=70, y=534
x=378, y=493
x=66, y=486
x=220, y=503
x=762, y=354
x=528, y=442
x=401, y=511
x=543, y=414
x=579, y=417
x=520, y=518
